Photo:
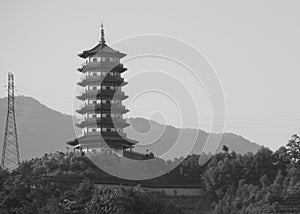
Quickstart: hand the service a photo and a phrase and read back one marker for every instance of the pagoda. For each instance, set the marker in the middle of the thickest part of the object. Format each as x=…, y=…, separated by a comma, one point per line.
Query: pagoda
x=102, y=111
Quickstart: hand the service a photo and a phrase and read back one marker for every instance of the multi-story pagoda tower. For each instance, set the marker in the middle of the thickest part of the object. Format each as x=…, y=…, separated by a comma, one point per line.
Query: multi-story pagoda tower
x=102, y=112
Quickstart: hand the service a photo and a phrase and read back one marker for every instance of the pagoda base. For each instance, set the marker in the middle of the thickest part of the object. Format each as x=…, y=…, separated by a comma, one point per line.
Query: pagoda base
x=96, y=142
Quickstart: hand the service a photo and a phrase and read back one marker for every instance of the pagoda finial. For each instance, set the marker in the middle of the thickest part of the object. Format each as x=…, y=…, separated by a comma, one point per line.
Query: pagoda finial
x=102, y=33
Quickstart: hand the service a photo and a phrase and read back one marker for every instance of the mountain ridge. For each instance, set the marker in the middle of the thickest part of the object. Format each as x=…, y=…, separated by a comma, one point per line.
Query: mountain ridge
x=42, y=130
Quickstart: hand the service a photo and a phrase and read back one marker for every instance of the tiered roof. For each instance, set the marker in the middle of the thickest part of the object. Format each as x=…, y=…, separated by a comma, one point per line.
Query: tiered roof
x=101, y=49
x=113, y=139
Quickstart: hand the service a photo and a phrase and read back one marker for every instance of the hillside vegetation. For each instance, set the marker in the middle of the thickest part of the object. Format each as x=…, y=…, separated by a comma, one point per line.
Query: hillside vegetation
x=264, y=182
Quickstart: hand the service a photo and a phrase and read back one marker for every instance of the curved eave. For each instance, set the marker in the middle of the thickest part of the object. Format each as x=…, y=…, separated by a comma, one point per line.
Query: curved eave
x=119, y=68
x=97, y=65
x=87, y=110
x=73, y=143
x=100, y=49
x=118, y=81
x=100, y=94
x=86, y=123
x=100, y=107
x=124, y=83
x=86, y=54
x=108, y=137
x=80, y=69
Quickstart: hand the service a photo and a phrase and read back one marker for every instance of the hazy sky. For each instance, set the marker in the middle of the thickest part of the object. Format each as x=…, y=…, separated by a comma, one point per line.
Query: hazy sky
x=252, y=45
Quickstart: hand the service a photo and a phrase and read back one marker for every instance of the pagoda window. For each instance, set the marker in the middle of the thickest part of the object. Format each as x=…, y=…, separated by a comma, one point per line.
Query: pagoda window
x=108, y=130
x=94, y=88
x=113, y=129
x=94, y=116
x=111, y=59
x=94, y=130
x=104, y=129
x=108, y=116
x=94, y=102
x=94, y=60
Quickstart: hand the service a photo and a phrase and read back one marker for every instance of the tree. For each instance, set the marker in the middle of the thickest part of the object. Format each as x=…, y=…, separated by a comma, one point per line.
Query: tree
x=85, y=191
x=264, y=180
x=276, y=189
x=225, y=148
x=293, y=149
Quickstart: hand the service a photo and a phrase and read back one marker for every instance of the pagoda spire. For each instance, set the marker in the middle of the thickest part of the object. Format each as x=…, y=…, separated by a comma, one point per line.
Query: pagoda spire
x=102, y=34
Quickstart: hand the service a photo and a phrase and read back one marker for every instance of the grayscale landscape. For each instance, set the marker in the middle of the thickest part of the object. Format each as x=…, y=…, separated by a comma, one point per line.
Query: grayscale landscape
x=150, y=107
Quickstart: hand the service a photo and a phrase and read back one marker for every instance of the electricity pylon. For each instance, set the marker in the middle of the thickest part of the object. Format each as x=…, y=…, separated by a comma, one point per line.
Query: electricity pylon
x=10, y=152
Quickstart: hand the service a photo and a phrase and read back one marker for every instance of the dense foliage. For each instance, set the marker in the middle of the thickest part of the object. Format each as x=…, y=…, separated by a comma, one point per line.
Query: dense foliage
x=265, y=182
x=62, y=183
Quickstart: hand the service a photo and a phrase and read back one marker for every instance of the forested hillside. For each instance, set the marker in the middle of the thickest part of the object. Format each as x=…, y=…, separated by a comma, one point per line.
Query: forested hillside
x=264, y=182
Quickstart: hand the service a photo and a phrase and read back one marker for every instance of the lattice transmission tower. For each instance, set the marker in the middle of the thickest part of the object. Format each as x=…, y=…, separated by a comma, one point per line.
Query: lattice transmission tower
x=10, y=152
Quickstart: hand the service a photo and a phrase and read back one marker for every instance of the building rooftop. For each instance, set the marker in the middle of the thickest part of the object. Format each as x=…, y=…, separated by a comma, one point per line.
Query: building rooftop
x=101, y=49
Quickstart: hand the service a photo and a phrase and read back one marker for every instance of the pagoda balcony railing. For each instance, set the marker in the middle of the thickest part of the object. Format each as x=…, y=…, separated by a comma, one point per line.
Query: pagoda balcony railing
x=82, y=78
x=83, y=64
x=114, y=108
x=117, y=67
x=98, y=77
x=93, y=122
x=100, y=105
x=108, y=134
x=99, y=92
x=99, y=63
x=106, y=77
x=104, y=119
x=85, y=80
